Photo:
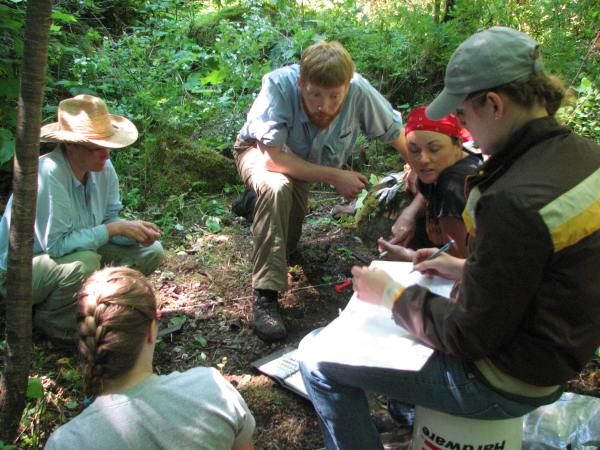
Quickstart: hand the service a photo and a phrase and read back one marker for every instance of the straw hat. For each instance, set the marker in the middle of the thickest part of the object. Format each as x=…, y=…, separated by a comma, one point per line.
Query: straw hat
x=85, y=119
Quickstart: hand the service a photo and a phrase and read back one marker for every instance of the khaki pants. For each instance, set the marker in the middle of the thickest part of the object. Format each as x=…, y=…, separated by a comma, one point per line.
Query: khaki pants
x=278, y=215
x=56, y=281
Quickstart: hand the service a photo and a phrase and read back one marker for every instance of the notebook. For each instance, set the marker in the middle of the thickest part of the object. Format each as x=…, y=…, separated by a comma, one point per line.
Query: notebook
x=363, y=335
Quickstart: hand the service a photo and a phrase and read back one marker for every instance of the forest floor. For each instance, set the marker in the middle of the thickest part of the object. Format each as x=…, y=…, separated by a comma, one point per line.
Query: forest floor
x=205, y=287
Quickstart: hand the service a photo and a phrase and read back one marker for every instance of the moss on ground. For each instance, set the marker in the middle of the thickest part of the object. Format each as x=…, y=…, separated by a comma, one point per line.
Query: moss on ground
x=180, y=165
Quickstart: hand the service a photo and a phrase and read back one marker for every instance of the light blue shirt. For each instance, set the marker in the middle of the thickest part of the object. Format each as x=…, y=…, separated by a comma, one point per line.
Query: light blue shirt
x=277, y=118
x=70, y=216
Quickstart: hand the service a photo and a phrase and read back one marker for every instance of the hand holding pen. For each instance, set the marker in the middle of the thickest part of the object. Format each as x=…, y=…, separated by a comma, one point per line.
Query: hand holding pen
x=437, y=262
x=442, y=249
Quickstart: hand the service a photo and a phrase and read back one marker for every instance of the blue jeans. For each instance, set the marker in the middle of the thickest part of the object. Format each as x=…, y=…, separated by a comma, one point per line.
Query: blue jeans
x=445, y=384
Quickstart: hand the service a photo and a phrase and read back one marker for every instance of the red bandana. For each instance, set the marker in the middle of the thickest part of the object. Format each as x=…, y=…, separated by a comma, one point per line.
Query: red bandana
x=449, y=125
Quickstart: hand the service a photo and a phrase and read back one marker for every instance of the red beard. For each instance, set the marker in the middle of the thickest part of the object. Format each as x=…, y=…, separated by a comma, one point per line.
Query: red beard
x=320, y=120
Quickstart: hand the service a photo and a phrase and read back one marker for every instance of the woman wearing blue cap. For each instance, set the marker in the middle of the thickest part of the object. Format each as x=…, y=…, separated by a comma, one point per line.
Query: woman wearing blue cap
x=527, y=316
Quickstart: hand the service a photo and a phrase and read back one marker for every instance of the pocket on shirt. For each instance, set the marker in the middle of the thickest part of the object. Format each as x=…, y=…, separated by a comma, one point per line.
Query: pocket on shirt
x=345, y=134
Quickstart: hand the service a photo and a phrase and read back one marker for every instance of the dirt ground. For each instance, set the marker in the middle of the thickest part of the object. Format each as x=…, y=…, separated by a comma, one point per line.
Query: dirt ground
x=205, y=287
x=207, y=279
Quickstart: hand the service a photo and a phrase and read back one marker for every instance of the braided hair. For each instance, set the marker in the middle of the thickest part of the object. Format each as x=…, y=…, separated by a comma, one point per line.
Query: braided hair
x=116, y=307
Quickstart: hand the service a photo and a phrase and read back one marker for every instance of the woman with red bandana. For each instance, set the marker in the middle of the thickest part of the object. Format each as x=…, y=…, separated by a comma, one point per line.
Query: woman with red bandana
x=441, y=163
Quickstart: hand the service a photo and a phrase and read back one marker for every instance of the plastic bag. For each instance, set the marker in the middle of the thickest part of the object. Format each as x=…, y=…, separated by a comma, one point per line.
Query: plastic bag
x=572, y=420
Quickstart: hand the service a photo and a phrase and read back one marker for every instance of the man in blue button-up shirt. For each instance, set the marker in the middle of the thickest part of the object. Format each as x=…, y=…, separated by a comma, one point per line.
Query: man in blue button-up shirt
x=302, y=128
x=77, y=227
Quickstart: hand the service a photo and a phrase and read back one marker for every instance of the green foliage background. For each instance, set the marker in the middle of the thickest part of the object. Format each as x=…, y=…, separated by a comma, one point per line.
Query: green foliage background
x=186, y=72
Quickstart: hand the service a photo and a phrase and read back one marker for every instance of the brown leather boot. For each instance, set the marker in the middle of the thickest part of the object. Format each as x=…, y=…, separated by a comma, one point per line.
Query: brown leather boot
x=267, y=321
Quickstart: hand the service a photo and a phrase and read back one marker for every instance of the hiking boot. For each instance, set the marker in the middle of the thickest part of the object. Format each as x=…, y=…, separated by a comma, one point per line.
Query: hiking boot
x=243, y=206
x=267, y=322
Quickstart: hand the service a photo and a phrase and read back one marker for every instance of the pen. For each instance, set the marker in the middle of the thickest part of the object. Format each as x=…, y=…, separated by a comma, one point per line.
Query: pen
x=441, y=250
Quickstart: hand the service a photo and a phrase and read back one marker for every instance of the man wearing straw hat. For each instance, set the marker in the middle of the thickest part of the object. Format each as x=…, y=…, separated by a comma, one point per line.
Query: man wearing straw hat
x=77, y=229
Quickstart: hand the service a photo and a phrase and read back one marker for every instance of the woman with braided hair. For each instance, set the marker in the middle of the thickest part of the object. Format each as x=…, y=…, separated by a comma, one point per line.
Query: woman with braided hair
x=132, y=407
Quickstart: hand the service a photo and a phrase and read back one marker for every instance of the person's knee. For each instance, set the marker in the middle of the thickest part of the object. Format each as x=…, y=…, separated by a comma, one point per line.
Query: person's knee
x=275, y=198
x=309, y=371
x=152, y=259
x=87, y=263
x=276, y=186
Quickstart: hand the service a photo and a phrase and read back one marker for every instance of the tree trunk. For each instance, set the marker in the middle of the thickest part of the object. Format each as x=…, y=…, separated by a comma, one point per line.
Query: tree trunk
x=436, y=11
x=448, y=13
x=13, y=382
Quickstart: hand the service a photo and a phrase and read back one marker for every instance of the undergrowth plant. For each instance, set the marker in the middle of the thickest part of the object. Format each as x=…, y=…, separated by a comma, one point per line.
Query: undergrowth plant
x=582, y=112
x=187, y=71
x=193, y=68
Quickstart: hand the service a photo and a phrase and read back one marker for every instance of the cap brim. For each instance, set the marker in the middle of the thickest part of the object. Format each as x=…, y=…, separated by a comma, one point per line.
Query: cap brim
x=444, y=105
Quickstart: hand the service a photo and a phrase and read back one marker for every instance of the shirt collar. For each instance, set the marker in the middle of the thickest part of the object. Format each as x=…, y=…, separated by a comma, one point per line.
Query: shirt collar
x=91, y=179
x=520, y=142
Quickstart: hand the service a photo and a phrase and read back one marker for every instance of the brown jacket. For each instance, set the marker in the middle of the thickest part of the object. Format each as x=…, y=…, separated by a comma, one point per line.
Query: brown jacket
x=530, y=293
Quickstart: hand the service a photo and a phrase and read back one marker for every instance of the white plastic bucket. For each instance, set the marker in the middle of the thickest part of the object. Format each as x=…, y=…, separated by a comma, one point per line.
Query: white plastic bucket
x=437, y=430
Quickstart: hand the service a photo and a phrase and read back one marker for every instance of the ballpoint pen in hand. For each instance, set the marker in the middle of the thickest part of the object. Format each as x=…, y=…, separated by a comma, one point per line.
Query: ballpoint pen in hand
x=442, y=249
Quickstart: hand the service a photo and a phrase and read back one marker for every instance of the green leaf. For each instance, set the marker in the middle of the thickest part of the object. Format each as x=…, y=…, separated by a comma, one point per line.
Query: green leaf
x=73, y=375
x=586, y=83
x=72, y=405
x=67, y=18
x=4, y=446
x=193, y=81
x=7, y=145
x=10, y=24
x=177, y=320
x=345, y=251
x=213, y=224
x=215, y=77
x=34, y=388
x=201, y=340
x=360, y=199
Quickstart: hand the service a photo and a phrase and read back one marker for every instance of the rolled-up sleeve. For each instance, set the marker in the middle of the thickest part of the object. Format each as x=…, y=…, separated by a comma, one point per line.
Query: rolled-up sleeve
x=110, y=184
x=269, y=117
x=377, y=117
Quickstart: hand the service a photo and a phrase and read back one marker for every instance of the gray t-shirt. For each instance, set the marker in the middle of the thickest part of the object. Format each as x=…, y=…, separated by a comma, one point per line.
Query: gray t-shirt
x=196, y=409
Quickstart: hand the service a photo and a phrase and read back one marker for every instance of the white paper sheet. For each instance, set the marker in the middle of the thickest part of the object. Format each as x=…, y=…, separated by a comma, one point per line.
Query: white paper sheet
x=366, y=335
